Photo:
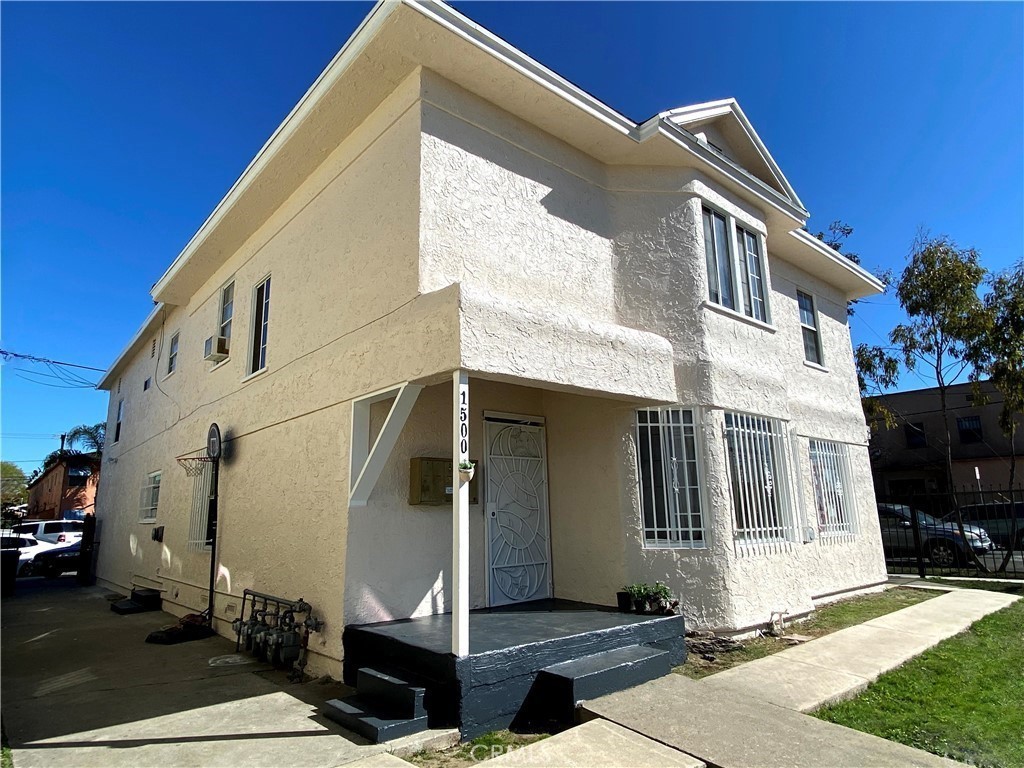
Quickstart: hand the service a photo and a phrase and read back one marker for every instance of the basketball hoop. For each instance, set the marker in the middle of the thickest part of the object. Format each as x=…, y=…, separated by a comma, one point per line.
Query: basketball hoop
x=194, y=465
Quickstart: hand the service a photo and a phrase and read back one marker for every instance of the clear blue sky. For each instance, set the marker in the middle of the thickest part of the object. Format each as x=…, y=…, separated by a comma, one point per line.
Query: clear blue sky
x=125, y=123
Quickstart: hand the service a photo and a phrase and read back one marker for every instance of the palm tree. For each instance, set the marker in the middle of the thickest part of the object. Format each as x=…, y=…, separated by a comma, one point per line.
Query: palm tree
x=90, y=437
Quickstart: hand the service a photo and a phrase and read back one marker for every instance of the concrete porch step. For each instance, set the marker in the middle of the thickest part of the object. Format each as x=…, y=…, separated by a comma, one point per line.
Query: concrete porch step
x=390, y=695
x=359, y=716
x=598, y=674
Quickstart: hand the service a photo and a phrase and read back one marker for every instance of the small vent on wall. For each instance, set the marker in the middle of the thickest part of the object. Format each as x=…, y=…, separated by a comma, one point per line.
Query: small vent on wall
x=152, y=348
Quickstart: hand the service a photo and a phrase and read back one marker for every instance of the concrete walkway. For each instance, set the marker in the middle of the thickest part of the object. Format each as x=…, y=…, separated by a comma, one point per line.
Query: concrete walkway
x=81, y=688
x=751, y=715
x=840, y=665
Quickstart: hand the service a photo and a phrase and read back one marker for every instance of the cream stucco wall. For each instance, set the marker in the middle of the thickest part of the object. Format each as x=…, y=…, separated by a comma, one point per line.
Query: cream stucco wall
x=445, y=233
x=342, y=253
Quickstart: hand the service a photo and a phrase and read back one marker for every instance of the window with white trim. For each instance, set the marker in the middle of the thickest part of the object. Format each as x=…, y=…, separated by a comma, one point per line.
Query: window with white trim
x=117, y=423
x=809, y=328
x=736, y=265
x=150, y=498
x=834, y=500
x=227, y=309
x=669, y=485
x=172, y=354
x=759, y=478
x=260, y=324
x=719, y=259
x=752, y=275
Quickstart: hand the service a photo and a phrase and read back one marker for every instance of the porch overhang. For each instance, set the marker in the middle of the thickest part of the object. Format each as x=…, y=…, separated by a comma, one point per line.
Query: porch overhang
x=556, y=350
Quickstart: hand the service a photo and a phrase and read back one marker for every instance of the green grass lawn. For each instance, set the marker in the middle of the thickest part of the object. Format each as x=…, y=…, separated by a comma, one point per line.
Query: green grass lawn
x=963, y=699
x=838, y=615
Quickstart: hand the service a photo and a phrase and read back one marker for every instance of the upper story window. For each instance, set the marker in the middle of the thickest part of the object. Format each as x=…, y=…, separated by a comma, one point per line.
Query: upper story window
x=735, y=264
x=172, y=354
x=260, y=321
x=117, y=424
x=752, y=275
x=719, y=259
x=669, y=487
x=914, y=433
x=759, y=476
x=969, y=428
x=227, y=309
x=809, y=328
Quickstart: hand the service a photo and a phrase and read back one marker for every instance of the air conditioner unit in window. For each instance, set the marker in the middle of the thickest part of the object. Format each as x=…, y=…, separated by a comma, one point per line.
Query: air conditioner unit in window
x=216, y=349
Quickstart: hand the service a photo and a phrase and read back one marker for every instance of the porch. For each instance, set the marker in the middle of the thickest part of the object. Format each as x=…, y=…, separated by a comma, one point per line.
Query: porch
x=529, y=663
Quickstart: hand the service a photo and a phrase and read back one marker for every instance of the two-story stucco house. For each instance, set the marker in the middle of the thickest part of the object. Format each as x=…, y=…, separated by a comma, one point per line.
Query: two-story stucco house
x=448, y=251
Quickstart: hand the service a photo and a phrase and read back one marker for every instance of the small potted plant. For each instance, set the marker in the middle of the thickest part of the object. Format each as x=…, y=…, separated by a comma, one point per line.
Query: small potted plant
x=640, y=594
x=660, y=597
x=625, y=600
x=466, y=471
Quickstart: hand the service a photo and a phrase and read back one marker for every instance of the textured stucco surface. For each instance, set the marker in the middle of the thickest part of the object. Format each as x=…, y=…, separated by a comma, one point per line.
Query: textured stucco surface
x=444, y=233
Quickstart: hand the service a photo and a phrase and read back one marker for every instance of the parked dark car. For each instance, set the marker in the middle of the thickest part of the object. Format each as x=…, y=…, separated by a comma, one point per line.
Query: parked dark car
x=996, y=518
x=940, y=541
x=57, y=561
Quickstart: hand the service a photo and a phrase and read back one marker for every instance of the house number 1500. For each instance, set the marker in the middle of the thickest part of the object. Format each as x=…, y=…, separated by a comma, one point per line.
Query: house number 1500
x=463, y=425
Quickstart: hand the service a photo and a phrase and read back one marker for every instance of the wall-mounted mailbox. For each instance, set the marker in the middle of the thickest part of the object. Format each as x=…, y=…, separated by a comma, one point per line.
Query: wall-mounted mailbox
x=430, y=481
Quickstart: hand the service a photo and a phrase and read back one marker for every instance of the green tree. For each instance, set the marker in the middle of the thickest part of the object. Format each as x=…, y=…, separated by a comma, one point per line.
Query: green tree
x=997, y=351
x=877, y=371
x=938, y=291
x=14, y=485
x=90, y=437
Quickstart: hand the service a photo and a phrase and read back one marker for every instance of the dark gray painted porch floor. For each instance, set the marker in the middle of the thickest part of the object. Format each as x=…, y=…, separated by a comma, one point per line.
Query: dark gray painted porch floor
x=507, y=627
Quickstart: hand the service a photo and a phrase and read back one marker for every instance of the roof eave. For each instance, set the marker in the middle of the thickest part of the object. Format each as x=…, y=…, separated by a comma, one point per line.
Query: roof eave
x=144, y=330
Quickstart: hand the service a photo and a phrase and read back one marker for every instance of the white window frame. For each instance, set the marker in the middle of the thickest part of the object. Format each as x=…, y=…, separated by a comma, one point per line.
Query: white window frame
x=816, y=328
x=118, y=419
x=747, y=284
x=739, y=267
x=259, y=329
x=763, y=506
x=226, y=321
x=835, y=500
x=680, y=476
x=149, y=499
x=172, y=353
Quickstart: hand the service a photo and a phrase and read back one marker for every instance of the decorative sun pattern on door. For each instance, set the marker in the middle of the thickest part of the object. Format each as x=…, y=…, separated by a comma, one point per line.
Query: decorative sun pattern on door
x=517, y=513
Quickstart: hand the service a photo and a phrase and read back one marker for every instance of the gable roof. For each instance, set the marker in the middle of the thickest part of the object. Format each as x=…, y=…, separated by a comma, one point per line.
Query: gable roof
x=752, y=153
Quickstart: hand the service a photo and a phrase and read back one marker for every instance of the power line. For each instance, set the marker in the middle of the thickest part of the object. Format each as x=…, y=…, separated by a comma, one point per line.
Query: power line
x=7, y=354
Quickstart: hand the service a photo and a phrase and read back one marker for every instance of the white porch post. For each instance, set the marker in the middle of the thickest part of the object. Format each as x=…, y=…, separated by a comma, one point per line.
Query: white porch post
x=460, y=515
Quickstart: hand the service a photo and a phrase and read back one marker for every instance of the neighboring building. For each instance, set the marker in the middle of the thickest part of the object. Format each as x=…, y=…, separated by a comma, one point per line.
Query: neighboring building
x=67, y=486
x=651, y=345
x=910, y=458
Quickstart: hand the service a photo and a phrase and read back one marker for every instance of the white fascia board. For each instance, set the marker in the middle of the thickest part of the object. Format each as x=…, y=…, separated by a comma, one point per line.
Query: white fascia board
x=144, y=330
x=728, y=168
x=876, y=285
x=331, y=73
x=466, y=28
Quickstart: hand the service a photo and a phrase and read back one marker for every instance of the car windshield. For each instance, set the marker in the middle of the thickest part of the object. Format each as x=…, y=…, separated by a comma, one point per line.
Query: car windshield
x=922, y=517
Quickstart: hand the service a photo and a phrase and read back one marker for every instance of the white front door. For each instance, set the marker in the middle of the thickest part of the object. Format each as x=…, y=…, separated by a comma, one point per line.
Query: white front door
x=518, y=546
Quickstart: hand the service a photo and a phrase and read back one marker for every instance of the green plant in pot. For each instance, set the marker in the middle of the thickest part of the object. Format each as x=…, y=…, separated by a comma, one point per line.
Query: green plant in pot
x=660, y=597
x=640, y=594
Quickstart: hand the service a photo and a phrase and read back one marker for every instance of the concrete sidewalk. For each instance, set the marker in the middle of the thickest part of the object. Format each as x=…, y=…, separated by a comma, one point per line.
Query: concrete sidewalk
x=840, y=665
x=752, y=715
x=82, y=688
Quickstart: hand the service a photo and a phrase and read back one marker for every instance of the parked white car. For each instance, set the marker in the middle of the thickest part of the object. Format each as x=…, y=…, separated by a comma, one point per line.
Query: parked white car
x=28, y=547
x=52, y=531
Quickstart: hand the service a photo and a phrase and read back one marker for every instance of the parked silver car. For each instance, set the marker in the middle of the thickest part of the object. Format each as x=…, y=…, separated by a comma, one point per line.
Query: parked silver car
x=940, y=541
